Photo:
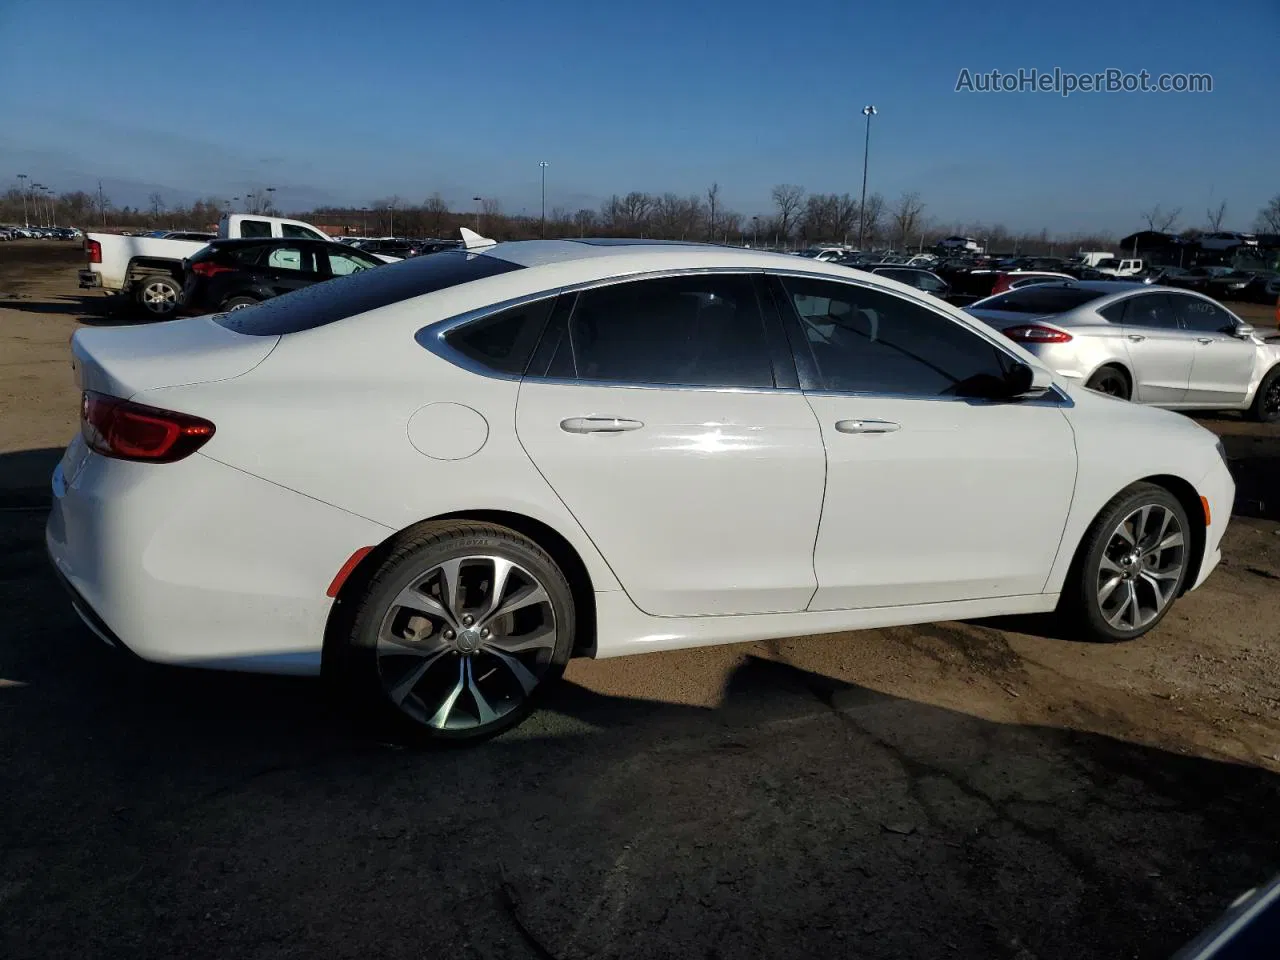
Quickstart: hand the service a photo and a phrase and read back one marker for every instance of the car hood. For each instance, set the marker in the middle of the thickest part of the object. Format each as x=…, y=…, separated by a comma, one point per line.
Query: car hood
x=1113, y=413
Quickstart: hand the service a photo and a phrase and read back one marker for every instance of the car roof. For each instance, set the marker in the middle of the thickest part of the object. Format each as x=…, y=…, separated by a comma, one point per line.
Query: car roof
x=536, y=253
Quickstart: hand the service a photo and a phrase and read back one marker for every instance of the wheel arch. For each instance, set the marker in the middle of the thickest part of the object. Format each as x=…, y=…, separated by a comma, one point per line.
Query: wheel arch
x=1189, y=498
x=140, y=267
x=561, y=550
x=1115, y=365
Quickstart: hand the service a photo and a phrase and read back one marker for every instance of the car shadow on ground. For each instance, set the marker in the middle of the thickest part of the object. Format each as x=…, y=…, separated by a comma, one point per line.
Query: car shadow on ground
x=155, y=812
x=94, y=310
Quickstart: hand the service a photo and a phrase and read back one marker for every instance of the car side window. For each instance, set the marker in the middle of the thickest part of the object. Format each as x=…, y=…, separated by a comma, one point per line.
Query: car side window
x=288, y=258
x=255, y=229
x=870, y=341
x=503, y=342
x=1115, y=313
x=702, y=330
x=1202, y=316
x=292, y=232
x=1151, y=310
x=342, y=264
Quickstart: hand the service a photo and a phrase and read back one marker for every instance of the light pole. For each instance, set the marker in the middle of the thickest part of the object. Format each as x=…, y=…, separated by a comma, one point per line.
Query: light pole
x=271, y=196
x=37, y=193
x=755, y=232
x=868, y=112
x=543, y=164
x=477, y=200
x=22, y=186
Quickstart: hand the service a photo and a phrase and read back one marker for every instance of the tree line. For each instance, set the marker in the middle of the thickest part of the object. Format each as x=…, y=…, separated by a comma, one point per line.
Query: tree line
x=797, y=218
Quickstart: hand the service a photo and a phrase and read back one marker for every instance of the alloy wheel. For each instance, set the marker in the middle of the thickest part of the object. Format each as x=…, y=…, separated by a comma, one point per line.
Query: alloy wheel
x=159, y=297
x=1141, y=567
x=466, y=642
x=1271, y=400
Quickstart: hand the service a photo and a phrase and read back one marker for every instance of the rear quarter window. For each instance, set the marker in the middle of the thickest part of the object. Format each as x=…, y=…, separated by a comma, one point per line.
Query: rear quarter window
x=325, y=303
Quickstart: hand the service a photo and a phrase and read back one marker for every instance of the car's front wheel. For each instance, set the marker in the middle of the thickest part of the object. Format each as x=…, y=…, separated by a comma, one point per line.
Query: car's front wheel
x=459, y=630
x=1266, y=402
x=1130, y=567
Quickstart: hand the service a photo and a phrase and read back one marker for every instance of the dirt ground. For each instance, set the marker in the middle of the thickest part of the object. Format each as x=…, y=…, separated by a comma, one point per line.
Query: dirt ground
x=953, y=790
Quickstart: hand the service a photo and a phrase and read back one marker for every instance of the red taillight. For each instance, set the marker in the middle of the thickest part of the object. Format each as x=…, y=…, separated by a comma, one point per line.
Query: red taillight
x=1003, y=283
x=131, y=431
x=93, y=249
x=1033, y=333
x=207, y=268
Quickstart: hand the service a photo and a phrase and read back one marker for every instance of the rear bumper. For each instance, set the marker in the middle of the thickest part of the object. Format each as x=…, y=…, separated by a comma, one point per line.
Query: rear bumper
x=196, y=563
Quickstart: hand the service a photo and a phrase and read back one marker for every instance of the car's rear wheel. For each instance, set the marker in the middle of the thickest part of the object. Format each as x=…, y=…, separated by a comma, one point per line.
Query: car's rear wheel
x=1130, y=566
x=1111, y=381
x=459, y=631
x=158, y=294
x=239, y=303
x=1266, y=402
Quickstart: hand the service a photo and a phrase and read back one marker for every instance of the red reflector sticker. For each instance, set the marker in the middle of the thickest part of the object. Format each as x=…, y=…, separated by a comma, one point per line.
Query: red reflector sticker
x=341, y=577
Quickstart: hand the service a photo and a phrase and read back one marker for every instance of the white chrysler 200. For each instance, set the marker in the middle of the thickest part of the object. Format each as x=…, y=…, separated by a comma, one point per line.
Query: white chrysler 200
x=439, y=480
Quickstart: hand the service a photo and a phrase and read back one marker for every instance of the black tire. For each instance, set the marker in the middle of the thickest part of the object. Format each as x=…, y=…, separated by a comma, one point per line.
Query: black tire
x=240, y=302
x=1266, y=402
x=1111, y=381
x=1080, y=604
x=159, y=294
x=489, y=694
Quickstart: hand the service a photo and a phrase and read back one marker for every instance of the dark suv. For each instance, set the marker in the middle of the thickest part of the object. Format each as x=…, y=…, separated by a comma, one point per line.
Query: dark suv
x=231, y=274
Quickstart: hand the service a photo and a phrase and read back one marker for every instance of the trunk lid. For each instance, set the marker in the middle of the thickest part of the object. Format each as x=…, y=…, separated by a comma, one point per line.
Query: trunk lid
x=125, y=361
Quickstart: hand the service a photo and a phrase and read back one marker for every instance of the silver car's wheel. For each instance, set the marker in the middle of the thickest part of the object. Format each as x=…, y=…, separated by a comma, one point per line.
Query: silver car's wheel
x=467, y=642
x=1140, y=567
x=455, y=633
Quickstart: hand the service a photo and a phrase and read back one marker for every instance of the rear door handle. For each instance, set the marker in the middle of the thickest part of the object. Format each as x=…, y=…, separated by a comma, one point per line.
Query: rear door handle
x=1136, y=337
x=1204, y=339
x=599, y=425
x=867, y=426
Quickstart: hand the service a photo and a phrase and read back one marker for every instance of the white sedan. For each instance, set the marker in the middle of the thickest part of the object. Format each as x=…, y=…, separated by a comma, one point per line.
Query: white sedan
x=440, y=480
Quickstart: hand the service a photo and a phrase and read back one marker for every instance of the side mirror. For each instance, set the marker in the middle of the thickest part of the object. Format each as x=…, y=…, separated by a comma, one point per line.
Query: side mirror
x=1242, y=330
x=1026, y=382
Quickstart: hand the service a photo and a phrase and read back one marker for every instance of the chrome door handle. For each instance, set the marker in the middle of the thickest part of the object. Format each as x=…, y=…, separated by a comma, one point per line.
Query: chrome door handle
x=1204, y=339
x=599, y=425
x=1136, y=337
x=866, y=426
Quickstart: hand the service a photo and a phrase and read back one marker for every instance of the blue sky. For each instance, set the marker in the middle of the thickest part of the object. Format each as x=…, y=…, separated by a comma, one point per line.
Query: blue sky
x=347, y=102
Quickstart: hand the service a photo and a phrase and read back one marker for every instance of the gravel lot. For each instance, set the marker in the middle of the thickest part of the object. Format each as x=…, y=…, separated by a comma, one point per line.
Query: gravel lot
x=955, y=790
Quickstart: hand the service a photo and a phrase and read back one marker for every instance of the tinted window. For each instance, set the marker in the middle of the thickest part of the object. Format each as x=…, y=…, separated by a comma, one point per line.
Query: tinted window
x=1041, y=299
x=504, y=341
x=1201, y=316
x=1151, y=310
x=288, y=258
x=327, y=302
x=294, y=232
x=1116, y=311
x=704, y=330
x=254, y=229
x=868, y=341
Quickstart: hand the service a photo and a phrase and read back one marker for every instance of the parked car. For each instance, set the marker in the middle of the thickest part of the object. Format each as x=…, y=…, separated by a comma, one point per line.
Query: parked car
x=1196, y=278
x=149, y=269
x=398, y=248
x=412, y=478
x=233, y=274
x=912, y=276
x=1227, y=240
x=824, y=254
x=1156, y=345
x=959, y=245
x=189, y=235
x=1115, y=267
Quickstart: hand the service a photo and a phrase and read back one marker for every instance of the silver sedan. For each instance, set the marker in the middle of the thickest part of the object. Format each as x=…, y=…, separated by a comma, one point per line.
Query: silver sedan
x=1150, y=344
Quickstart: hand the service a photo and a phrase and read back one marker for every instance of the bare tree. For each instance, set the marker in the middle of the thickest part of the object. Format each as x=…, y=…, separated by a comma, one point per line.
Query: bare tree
x=436, y=210
x=156, y=202
x=1215, y=217
x=491, y=207
x=1159, y=220
x=584, y=221
x=871, y=213
x=906, y=215
x=1269, y=217
x=713, y=197
x=787, y=197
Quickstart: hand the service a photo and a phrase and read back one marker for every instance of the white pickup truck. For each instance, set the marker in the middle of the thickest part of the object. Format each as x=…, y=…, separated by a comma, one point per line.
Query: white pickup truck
x=1115, y=267
x=150, y=269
